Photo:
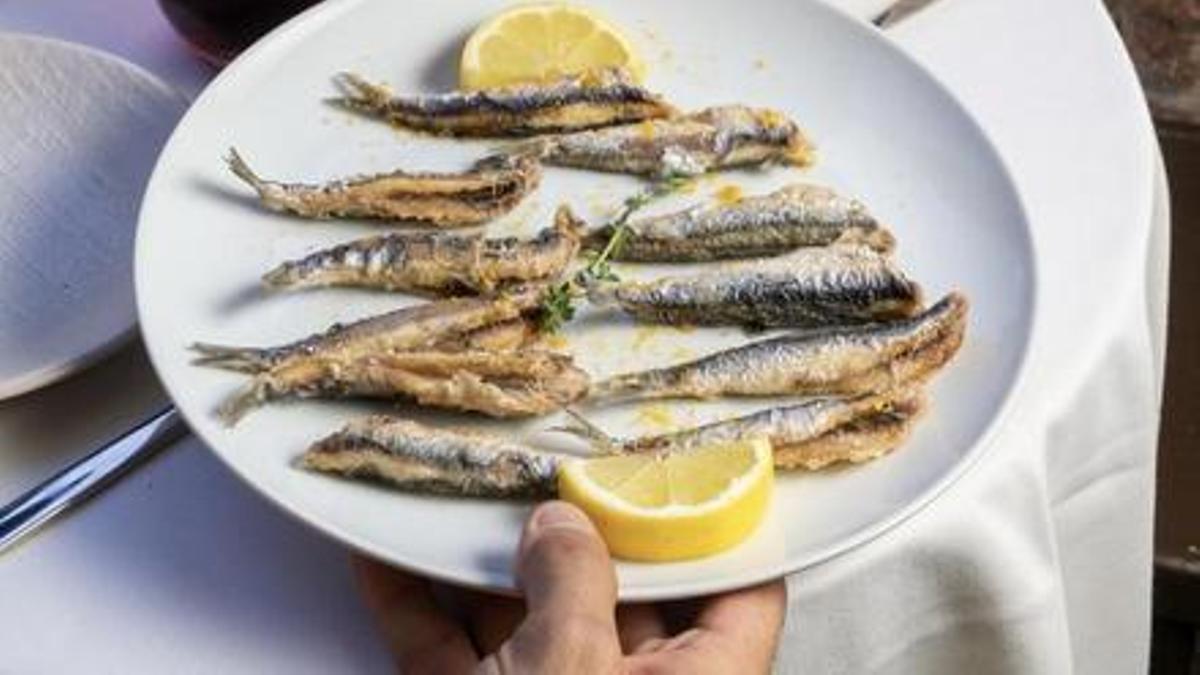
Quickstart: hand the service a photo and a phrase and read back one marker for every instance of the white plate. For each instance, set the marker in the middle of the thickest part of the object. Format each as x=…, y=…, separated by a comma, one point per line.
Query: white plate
x=887, y=132
x=80, y=132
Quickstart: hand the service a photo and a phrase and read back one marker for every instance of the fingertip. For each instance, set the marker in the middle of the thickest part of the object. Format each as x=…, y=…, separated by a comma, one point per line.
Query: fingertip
x=549, y=517
x=563, y=564
x=557, y=513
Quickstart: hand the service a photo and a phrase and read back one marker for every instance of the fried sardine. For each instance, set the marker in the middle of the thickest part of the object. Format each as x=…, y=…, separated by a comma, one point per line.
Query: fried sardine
x=519, y=383
x=808, y=435
x=839, y=360
x=490, y=188
x=438, y=263
x=417, y=458
x=709, y=140
x=810, y=287
x=791, y=217
x=572, y=104
x=455, y=322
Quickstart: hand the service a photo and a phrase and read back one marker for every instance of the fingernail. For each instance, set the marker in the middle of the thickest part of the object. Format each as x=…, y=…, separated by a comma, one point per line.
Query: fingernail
x=559, y=514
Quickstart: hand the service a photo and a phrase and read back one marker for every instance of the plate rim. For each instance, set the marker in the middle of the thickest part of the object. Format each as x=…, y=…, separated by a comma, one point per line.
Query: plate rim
x=313, y=17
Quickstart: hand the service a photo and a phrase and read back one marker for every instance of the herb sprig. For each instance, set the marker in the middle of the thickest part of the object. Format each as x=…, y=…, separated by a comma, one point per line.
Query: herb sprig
x=558, y=305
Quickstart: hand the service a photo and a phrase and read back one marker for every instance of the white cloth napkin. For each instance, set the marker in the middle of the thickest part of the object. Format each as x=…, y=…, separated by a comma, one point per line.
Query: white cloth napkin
x=1039, y=560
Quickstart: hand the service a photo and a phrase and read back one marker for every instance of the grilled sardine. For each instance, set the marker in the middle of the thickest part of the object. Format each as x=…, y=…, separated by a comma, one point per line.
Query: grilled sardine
x=576, y=103
x=712, y=139
x=809, y=435
x=453, y=321
x=491, y=188
x=438, y=263
x=811, y=287
x=839, y=360
x=418, y=458
x=792, y=217
x=499, y=384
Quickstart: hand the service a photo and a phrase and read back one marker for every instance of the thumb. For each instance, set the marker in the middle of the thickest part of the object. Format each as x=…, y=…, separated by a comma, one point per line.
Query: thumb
x=563, y=566
x=570, y=595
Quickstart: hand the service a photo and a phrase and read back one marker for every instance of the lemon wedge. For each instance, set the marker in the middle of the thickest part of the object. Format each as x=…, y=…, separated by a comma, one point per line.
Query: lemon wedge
x=674, y=506
x=542, y=43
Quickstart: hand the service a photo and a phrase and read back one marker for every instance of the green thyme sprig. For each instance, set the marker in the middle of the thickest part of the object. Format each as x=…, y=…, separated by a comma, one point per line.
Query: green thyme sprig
x=558, y=305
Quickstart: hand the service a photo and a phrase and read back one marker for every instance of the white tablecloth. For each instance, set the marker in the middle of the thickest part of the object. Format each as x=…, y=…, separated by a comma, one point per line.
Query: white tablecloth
x=1038, y=561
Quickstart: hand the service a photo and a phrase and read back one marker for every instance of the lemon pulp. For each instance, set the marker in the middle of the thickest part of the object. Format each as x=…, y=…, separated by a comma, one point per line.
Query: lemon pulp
x=674, y=506
x=542, y=43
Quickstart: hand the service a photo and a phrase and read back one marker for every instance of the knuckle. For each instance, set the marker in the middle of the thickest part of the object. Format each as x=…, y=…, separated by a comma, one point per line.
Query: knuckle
x=582, y=630
x=567, y=644
x=656, y=667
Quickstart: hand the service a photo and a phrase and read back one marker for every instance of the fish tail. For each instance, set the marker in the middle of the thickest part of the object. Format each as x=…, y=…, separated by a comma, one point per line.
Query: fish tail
x=800, y=152
x=244, y=400
x=242, y=170
x=580, y=427
x=241, y=359
x=358, y=94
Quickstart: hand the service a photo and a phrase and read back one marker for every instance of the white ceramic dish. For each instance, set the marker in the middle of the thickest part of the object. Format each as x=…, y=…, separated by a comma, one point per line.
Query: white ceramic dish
x=80, y=131
x=887, y=132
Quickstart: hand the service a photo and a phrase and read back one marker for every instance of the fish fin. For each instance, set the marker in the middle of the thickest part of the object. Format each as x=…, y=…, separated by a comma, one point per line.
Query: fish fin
x=244, y=400
x=877, y=238
x=569, y=224
x=580, y=427
x=534, y=148
x=241, y=359
x=616, y=385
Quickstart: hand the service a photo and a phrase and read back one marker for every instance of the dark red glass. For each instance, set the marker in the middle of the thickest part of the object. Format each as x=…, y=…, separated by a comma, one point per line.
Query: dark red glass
x=220, y=29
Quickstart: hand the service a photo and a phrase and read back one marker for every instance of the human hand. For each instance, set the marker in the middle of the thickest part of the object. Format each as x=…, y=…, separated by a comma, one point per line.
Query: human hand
x=569, y=621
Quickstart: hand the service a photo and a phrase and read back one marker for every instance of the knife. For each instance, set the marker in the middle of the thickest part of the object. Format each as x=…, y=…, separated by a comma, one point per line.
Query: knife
x=899, y=11
x=87, y=476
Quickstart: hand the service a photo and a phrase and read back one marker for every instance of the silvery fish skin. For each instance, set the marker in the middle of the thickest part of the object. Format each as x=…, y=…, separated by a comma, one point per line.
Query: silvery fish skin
x=498, y=384
x=712, y=139
x=449, y=321
x=417, y=458
x=810, y=287
x=791, y=217
x=808, y=435
x=489, y=189
x=584, y=102
x=839, y=360
x=437, y=263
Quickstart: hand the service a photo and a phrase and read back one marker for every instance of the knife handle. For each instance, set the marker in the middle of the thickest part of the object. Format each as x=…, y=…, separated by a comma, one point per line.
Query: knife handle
x=85, y=477
x=899, y=11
